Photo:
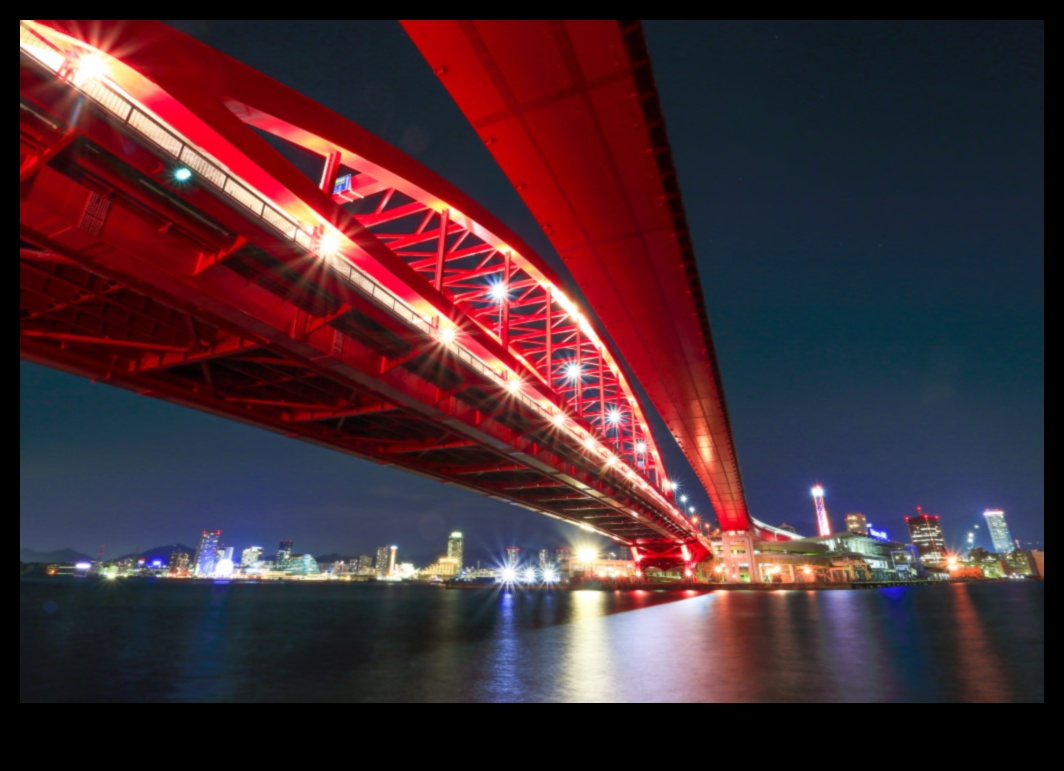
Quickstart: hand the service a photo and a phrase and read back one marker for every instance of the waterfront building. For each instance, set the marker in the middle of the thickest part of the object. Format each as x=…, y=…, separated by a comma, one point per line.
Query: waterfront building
x=365, y=566
x=456, y=550
x=300, y=566
x=387, y=562
x=445, y=568
x=563, y=559
x=544, y=559
x=251, y=557
x=837, y=559
x=857, y=524
x=179, y=563
x=1019, y=563
x=999, y=532
x=589, y=564
x=206, y=561
x=928, y=538
x=513, y=557
x=284, y=551
x=384, y=562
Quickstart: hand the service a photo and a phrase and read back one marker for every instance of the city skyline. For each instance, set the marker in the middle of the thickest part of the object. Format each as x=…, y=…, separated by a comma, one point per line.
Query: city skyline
x=106, y=445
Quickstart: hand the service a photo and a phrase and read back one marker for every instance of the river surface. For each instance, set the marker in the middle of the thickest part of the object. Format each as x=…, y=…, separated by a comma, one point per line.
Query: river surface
x=144, y=641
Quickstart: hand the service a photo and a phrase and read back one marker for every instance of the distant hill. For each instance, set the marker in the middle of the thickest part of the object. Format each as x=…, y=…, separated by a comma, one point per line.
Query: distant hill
x=61, y=557
x=159, y=553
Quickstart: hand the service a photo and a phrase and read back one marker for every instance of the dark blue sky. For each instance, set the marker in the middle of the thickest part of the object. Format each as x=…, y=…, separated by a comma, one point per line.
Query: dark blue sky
x=867, y=201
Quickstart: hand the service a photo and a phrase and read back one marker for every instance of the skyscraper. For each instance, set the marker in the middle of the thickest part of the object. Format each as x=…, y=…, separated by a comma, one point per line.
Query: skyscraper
x=999, y=532
x=544, y=559
x=513, y=557
x=456, y=550
x=387, y=561
x=284, y=551
x=927, y=537
x=206, y=560
x=857, y=524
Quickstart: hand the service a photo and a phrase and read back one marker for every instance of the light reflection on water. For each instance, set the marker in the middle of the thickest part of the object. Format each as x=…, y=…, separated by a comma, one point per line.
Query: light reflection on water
x=234, y=643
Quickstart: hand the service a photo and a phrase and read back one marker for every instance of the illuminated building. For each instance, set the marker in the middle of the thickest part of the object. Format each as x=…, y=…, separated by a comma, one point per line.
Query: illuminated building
x=179, y=562
x=590, y=564
x=822, y=519
x=926, y=533
x=445, y=568
x=387, y=562
x=365, y=566
x=223, y=567
x=300, y=566
x=456, y=550
x=384, y=561
x=206, y=560
x=251, y=557
x=999, y=532
x=544, y=559
x=284, y=551
x=563, y=560
x=857, y=524
x=513, y=557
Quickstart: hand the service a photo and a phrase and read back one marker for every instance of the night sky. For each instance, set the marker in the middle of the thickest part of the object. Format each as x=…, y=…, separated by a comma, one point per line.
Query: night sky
x=867, y=202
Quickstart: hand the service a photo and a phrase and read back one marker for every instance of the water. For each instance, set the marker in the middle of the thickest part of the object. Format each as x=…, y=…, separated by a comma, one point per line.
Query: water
x=84, y=641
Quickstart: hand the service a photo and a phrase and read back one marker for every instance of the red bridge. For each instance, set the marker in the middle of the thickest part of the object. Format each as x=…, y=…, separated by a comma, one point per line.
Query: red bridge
x=168, y=247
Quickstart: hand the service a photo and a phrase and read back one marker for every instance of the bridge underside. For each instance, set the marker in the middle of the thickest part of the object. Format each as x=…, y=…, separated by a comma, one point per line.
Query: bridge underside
x=169, y=290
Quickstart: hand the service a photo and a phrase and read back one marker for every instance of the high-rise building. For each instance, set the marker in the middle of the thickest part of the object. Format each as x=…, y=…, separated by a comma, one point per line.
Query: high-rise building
x=513, y=557
x=365, y=566
x=251, y=557
x=284, y=551
x=927, y=537
x=857, y=524
x=387, y=561
x=456, y=550
x=206, y=560
x=823, y=521
x=544, y=559
x=999, y=532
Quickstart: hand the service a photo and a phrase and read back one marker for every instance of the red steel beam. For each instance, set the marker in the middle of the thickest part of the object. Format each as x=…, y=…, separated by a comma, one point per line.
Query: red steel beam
x=570, y=111
x=124, y=220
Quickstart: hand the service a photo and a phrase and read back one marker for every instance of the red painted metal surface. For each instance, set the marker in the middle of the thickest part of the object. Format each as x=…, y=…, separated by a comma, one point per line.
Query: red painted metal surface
x=167, y=247
x=570, y=111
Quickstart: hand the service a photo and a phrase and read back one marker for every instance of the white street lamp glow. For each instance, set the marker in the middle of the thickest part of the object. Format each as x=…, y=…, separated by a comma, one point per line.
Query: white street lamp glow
x=329, y=244
x=499, y=292
x=587, y=556
x=89, y=68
